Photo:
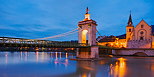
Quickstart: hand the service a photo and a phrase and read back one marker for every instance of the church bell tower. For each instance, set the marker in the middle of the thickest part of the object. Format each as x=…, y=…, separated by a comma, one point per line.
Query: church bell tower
x=129, y=29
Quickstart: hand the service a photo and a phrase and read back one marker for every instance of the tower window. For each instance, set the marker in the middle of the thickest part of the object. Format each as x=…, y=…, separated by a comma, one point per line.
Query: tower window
x=142, y=26
x=141, y=38
x=130, y=30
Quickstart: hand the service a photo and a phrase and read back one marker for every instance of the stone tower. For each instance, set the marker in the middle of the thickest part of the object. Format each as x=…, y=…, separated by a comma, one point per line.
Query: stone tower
x=129, y=29
x=87, y=30
x=87, y=34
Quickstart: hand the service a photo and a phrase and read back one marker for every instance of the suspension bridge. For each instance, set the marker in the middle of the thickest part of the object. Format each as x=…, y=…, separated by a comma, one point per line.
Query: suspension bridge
x=86, y=47
x=42, y=42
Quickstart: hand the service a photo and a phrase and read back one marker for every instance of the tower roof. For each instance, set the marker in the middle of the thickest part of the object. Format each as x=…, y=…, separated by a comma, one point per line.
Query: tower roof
x=130, y=23
x=130, y=19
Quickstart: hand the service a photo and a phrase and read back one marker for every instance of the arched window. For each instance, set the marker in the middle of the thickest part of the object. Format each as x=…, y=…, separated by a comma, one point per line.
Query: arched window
x=141, y=38
x=141, y=32
x=130, y=30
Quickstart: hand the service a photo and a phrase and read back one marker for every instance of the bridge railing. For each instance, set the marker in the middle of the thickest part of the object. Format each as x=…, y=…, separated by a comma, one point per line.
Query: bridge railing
x=27, y=41
x=18, y=41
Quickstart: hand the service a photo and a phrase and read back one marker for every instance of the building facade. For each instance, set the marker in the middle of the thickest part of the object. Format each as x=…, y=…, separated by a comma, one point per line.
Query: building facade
x=139, y=36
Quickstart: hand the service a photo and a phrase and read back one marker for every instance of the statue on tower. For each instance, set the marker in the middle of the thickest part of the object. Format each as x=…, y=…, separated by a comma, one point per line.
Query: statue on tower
x=87, y=10
x=87, y=15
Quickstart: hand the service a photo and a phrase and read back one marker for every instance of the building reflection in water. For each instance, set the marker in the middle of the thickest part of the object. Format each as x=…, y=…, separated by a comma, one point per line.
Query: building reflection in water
x=119, y=68
x=85, y=69
x=60, y=55
x=25, y=56
x=20, y=56
x=37, y=56
x=103, y=68
x=92, y=68
x=56, y=60
x=60, y=58
x=6, y=58
x=151, y=68
x=66, y=55
x=56, y=55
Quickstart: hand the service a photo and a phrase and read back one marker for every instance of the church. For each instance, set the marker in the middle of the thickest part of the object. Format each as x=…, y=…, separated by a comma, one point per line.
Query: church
x=139, y=36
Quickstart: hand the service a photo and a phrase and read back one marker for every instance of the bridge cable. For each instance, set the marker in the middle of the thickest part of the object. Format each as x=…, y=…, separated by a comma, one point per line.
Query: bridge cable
x=60, y=35
x=99, y=35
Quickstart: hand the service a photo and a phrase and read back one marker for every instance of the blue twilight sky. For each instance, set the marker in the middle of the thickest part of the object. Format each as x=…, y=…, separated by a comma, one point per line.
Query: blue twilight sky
x=42, y=18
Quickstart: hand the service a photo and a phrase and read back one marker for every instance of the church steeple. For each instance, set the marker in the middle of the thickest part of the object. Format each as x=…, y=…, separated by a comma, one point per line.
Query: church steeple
x=130, y=23
x=129, y=29
x=87, y=15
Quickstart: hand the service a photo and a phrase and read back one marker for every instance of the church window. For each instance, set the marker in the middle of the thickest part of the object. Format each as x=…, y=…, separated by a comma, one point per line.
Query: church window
x=129, y=30
x=141, y=32
x=141, y=38
x=142, y=26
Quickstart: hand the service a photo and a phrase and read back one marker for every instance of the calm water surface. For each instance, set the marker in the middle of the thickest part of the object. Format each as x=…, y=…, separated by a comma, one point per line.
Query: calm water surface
x=57, y=64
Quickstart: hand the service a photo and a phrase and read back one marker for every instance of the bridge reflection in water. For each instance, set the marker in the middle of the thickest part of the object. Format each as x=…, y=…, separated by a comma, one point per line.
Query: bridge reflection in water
x=57, y=64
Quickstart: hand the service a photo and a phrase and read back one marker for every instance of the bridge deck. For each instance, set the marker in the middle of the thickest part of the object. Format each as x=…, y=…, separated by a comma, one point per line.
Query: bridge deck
x=20, y=42
x=56, y=45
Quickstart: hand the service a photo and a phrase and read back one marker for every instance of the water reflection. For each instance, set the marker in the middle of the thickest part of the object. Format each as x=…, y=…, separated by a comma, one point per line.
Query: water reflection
x=23, y=57
x=57, y=64
x=86, y=68
x=93, y=68
x=119, y=69
x=6, y=58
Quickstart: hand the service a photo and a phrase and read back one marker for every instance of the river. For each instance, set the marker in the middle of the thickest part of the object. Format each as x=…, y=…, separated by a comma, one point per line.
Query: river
x=58, y=64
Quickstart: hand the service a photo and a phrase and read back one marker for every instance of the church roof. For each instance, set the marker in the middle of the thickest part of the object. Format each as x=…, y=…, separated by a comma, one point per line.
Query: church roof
x=123, y=36
x=107, y=39
x=110, y=38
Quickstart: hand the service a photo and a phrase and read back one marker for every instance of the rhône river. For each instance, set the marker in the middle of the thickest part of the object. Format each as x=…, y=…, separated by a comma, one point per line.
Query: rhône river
x=57, y=64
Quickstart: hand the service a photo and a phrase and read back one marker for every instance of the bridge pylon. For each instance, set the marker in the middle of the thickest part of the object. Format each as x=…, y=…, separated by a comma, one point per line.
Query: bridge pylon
x=87, y=34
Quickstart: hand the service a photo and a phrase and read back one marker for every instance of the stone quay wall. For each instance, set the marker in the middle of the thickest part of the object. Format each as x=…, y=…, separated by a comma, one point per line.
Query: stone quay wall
x=134, y=51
